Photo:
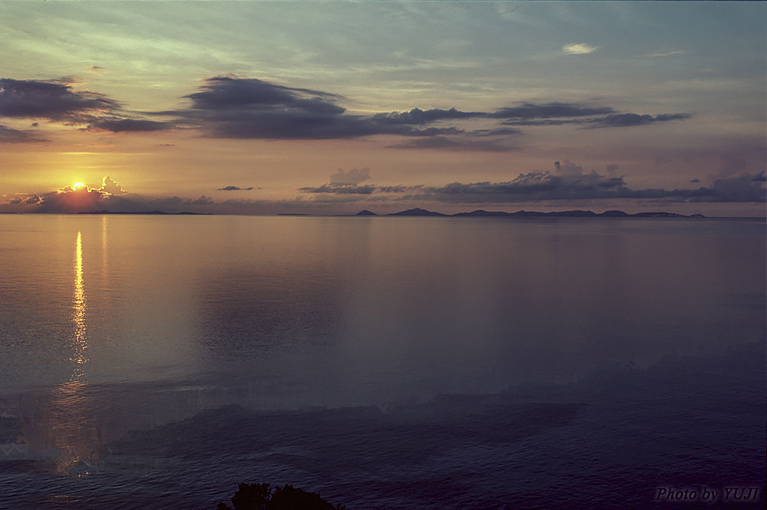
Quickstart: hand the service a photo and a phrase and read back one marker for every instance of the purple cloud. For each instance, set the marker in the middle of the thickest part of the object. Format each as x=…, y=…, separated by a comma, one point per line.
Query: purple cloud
x=10, y=135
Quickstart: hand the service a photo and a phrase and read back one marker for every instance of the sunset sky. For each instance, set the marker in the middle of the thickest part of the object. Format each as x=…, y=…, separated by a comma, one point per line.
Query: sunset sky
x=333, y=107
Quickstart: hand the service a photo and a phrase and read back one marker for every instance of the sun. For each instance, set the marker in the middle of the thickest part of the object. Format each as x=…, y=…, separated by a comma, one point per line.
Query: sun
x=78, y=185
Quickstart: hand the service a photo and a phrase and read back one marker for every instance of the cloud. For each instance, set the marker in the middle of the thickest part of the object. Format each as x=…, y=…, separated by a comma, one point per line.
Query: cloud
x=69, y=200
x=234, y=107
x=129, y=125
x=235, y=188
x=25, y=200
x=633, y=119
x=109, y=197
x=742, y=188
x=350, y=177
x=496, y=132
x=224, y=92
x=418, y=116
x=57, y=101
x=340, y=190
x=567, y=181
x=110, y=186
x=169, y=201
x=732, y=183
x=203, y=200
x=590, y=117
x=248, y=108
x=10, y=135
x=345, y=183
x=542, y=122
x=550, y=110
x=50, y=100
x=570, y=182
x=398, y=188
x=579, y=48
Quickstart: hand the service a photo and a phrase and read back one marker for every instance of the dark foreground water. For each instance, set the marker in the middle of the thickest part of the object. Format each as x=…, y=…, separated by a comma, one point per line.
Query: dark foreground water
x=155, y=362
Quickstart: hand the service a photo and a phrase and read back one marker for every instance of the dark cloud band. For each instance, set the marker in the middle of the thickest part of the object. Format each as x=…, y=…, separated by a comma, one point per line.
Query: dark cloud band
x=568, y=182
x=129, y=125
x=10, y=135
x=235, y=188
x=56, y=101
x=49, y=100
x=249, y=108
x=242, y=108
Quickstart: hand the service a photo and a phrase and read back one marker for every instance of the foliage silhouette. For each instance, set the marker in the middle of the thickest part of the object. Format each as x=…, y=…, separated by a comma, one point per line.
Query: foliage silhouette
x=260, y=497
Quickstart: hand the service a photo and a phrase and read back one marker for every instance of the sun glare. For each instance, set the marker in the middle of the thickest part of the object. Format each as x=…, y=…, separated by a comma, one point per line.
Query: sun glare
x=76, y=186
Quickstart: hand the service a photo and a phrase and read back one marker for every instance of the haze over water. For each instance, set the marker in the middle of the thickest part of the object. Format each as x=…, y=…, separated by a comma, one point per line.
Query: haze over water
x=116, y=323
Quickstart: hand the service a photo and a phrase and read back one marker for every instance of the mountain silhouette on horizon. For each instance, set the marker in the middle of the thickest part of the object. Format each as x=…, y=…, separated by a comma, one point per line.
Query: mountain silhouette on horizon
x=577, y=213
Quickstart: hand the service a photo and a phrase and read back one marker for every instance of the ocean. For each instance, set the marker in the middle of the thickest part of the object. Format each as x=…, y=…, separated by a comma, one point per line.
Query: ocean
x=155, y=362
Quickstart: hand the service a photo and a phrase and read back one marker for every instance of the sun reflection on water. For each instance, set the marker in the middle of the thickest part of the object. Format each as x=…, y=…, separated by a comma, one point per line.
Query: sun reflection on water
x=73, y=440
x=79, y=306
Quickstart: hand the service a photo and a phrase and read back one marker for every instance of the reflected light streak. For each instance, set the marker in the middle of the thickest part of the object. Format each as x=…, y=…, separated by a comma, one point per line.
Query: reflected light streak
x=72, y=436
x=78, y=317
x=104, y=259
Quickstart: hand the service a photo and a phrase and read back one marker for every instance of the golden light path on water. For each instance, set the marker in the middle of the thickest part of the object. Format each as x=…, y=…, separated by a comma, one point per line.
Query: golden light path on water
x=78, y=317
x=71, y=436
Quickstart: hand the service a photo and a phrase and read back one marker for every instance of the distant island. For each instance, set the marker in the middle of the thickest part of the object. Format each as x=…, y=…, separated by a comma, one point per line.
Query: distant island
x=479, y=213
x=535, y=214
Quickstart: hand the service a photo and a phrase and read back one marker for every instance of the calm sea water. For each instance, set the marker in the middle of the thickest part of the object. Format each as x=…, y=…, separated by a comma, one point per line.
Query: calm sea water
x=155, y=362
